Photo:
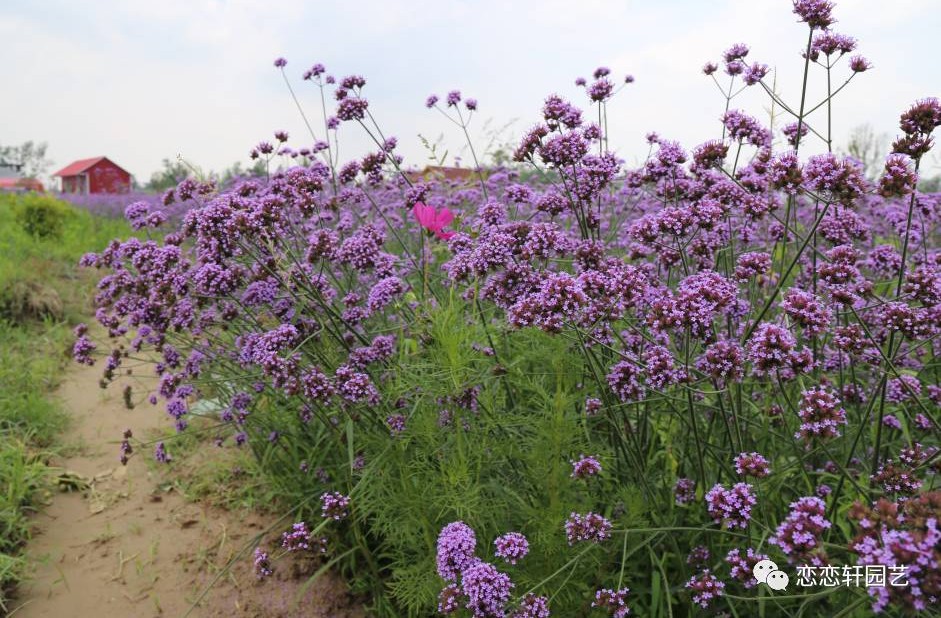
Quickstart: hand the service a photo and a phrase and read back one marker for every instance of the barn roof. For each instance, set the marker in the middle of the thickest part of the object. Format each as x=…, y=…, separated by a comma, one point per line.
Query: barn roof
x=77, y=167
x=82, y=165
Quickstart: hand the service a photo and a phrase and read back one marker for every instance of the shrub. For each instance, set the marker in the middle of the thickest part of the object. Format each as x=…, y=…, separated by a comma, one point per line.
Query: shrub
x=41, y=217
x=606, y=389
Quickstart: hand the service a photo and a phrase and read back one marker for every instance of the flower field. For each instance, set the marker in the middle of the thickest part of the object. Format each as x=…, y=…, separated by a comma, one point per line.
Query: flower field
x=565, y=386
x=113, y=205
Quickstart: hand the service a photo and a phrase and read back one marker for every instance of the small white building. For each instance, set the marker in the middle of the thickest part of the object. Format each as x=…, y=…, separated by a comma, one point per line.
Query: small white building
x=10, y=170
x=11, y=178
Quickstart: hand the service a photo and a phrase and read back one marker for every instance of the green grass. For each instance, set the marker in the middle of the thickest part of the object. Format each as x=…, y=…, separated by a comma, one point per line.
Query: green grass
x=32, y=360
x=229, y=478
x=37, y=272
x=42, y=296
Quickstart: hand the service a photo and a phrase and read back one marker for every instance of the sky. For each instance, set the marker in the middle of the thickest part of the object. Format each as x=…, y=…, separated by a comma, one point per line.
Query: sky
x=143, y=81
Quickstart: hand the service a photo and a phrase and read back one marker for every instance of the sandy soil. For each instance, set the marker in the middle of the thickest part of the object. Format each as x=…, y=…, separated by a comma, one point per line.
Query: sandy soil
x=123, y=545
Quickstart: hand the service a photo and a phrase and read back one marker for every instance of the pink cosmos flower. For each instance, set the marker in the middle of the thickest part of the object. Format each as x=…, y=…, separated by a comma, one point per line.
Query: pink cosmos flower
x=433, y=220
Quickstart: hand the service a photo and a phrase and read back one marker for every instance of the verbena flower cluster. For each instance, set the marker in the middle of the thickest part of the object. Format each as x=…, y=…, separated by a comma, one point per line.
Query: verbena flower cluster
x=902, y=533
x=705, y=588
x=511, y=547
x=731, y=506
x=587, y=527
x=615, y=601
x=801, y=533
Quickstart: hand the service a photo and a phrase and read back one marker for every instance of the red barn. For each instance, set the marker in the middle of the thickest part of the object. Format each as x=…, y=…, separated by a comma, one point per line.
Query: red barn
x=98, y=175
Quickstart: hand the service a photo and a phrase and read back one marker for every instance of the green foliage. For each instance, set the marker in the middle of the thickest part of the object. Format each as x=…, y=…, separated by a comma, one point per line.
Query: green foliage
x=11, y=572
x=502, y=467
x=29, y=366
x=169, y=175
x=42, y=217
x=38, y=277
x=23, y=474
x=930, y=184
x=33, y=359
x=230, y=480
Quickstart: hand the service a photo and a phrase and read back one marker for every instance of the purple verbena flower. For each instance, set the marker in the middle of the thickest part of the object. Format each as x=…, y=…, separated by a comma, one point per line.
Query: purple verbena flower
x=820, y=414
x=770, y=347
x=744, y=128
x=585, y=467
x=795, y=132
x=450, y=599
x=840, y=179
x=82, y=350
x=511, y=546
x=742, y=566
x=731, y=506
x=457, y=544
x=624, y=380
x=334, y=505
x=705, y=588
x=487, y=589
x=396, y=423
x=533, y=607
x=800, y=534
x=815, y=13
x=752, y=464
x=892, y=421
x=300, y=538
x=698, y=556
x=896, y=479
x=684, y=491
x=262, y=564
x=859, y=64
x=587, y=527
x=615, y=601
x=723, y=361
x=807, y=311
x=161, y=454
x=592, y=406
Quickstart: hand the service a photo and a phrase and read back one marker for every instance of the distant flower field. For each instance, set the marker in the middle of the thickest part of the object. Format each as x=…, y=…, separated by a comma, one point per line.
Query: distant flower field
x=595, y=391
x=114, y=204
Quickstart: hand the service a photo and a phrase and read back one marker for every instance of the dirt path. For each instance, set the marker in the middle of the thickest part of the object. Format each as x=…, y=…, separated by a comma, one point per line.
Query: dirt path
x=127, y=547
